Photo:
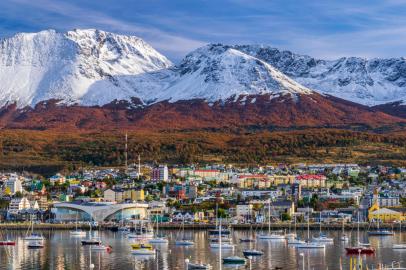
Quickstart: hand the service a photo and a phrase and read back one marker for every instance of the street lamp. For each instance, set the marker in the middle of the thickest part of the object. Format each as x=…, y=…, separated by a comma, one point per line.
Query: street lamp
x=303, y=262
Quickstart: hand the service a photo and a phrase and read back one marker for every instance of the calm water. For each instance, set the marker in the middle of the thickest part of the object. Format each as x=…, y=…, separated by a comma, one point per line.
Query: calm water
x=65, y=252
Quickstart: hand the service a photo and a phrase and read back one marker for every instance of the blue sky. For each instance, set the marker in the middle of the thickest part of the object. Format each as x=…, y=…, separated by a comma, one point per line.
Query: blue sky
x=321, y=28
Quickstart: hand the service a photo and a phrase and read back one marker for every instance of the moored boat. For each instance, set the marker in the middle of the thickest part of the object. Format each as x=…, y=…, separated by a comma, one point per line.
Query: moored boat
x=7, y=243
x=184, y=242
x=234, y=260
x=35, y=244
x=102, y=247
x=252, y=252
x=360, y=250
x=196, y=266
x=142, y=249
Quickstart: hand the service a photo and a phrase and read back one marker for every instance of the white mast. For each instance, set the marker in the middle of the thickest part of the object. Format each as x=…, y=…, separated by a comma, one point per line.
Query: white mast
x=269, y=216
x=126, y=153
x=139, y=166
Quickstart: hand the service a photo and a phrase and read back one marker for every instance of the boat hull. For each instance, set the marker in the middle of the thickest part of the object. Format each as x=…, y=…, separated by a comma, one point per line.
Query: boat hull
x=360, y=250
x=7, y=243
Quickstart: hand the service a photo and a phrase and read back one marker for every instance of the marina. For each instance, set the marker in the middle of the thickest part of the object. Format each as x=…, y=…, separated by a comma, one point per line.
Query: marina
x=60, y=249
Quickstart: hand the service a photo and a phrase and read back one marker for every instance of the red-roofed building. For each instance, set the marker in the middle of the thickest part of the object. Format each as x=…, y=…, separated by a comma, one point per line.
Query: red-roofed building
x=311, y=180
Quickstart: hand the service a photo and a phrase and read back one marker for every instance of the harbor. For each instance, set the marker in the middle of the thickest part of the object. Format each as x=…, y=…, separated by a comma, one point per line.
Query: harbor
x=62, y=250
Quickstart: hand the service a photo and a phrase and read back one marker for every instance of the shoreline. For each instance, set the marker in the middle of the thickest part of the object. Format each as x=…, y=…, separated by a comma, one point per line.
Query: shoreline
x=175, y=226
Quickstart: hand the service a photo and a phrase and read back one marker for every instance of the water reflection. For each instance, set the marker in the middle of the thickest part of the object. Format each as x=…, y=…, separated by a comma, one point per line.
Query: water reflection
x=62, y=251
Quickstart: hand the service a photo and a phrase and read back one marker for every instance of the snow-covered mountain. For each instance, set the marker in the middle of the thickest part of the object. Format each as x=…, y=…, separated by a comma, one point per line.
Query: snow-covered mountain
x=81, y=66
x=92, y=67
x=217, y=72
x=364, y=81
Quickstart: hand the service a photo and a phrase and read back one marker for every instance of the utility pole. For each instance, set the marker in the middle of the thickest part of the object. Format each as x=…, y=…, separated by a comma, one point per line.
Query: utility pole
x=126, y=153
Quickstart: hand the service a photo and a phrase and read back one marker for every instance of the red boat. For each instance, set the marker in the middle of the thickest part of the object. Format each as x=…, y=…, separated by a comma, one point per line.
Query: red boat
x=7, y=243
x=360, y=250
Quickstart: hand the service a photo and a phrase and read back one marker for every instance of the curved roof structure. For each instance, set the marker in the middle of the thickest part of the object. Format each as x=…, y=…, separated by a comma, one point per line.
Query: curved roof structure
x=100, y=211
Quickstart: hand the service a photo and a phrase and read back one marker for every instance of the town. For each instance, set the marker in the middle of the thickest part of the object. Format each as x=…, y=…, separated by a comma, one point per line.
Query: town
x=318, y=193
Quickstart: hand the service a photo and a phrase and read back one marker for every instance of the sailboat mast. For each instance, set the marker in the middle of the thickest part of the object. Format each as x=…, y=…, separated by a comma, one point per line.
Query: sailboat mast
x=308, y=223
x=220, y=262
x=269, y=216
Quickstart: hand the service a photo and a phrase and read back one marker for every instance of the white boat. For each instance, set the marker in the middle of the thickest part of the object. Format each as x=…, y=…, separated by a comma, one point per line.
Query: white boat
x=184, y=243
x=35, y=244
x=196, y=266
x=158, y=240
x=272, y=236
x=323, y=239
x=400, y=245
x=77, y=233
x=344, y=237
x=33, y=236
x=222, y=245
x=311, y=245
x=269, y=235
x=101, y=247
x=296, y=241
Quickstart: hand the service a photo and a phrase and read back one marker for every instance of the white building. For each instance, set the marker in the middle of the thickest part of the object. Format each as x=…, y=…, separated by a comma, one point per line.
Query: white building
x=19, y=204
x=244, y=212
x=13, y=184
x=160, y=173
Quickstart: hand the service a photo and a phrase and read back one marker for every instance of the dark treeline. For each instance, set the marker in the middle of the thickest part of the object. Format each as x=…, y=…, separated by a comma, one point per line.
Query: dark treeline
x=33, y=150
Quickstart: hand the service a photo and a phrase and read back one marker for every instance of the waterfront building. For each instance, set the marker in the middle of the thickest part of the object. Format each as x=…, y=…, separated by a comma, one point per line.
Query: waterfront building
x=244, y=212
x=100, y=212
x=18, y=204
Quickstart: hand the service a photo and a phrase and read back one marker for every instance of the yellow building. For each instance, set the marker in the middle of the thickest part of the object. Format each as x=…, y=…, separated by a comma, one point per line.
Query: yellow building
x=134, y=195
x=375, y=213
x=282, y=179
x=385, y=215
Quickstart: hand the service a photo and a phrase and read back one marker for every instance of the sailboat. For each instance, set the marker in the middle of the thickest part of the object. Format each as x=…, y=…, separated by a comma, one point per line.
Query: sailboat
x=308, y=244
x=399, y=246
x=235, y=260
x=252, y=252
x=344, y=237
x=142, y=249
x=295, y=240
x=77, y=232
x=183, y=241
x=359, y=248
x=196, y=266
x=33, y=236
x=322, y=238
x=218, y=242
x=91, y=240
x=7, y=242
x=269, y=235
x=249, y=239
x=142, y=232
x=157, y=239
x=380, y=232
